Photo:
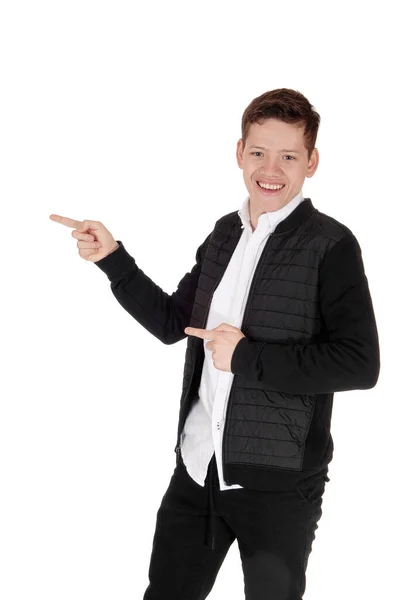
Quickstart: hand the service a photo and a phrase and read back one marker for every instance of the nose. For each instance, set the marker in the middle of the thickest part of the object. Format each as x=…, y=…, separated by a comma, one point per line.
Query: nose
x=272, y=167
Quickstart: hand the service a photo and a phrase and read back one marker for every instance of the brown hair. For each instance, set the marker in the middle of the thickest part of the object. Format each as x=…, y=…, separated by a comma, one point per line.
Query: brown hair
x=285, y=105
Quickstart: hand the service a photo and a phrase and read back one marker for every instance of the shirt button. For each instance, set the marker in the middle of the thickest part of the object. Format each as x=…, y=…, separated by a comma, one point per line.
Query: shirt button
x=222, y=390
x=218, y=426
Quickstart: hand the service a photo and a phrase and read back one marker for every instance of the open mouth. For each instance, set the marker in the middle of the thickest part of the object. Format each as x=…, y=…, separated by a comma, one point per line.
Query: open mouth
x=270, y=189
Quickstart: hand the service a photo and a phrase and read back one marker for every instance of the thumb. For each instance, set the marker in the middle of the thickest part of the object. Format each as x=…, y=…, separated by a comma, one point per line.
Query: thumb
x=226, y=327
x=83, y=227
x=86, y=224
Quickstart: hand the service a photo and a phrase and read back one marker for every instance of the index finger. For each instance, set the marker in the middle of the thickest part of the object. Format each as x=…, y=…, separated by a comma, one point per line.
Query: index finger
x=66, y=221
x=205, y=334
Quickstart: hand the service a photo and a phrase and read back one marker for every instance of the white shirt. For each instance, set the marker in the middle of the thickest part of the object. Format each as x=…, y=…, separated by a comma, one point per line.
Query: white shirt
x=203, y=430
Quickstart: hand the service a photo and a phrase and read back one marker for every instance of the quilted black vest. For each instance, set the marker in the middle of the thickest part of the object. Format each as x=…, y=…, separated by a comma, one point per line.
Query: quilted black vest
x=267, y=429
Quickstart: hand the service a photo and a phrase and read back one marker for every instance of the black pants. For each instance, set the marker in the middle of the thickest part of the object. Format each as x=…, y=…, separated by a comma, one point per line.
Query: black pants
x=274, y=532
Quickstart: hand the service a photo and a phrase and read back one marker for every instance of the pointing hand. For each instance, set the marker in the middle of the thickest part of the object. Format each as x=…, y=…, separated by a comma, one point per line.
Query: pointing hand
x=224, y=340
x=95, y=241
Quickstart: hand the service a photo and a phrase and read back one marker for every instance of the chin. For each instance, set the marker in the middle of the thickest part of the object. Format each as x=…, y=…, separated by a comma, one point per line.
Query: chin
x=273, y=205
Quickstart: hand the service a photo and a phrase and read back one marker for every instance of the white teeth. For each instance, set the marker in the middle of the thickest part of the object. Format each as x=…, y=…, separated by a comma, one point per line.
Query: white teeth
x=269, y=186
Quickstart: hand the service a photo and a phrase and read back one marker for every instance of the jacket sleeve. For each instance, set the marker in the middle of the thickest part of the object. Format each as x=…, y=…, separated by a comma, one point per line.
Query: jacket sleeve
x=349, y=359
x=163, y=315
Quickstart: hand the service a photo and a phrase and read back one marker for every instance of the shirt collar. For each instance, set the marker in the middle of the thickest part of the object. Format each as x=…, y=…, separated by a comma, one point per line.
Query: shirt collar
x=273, y=217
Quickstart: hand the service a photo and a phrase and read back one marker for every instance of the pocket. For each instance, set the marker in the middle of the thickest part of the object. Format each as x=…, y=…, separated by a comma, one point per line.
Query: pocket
x=311, y=491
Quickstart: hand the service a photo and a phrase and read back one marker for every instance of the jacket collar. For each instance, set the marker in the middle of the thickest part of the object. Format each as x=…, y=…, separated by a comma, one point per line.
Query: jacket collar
x=297, y=216
x=269, y=221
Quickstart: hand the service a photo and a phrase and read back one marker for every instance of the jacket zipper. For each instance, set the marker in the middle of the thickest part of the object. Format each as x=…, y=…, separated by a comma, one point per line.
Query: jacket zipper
x=246, y=310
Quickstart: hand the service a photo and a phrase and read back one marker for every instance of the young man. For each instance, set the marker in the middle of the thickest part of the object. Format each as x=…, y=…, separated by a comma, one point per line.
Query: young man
x=278, y=315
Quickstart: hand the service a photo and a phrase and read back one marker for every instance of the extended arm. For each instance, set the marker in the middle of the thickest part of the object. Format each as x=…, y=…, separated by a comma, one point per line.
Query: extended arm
x=348, y=360
x=163, y=315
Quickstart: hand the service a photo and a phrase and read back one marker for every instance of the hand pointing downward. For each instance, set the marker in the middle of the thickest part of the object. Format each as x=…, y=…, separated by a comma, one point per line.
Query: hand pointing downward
x=224, y=340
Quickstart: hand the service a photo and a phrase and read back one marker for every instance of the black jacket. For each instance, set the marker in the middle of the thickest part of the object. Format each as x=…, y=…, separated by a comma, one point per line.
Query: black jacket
x=310, y=331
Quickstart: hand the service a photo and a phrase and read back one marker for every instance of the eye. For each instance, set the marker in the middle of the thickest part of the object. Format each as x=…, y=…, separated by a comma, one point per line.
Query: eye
x=257, y=152
x=293, y=158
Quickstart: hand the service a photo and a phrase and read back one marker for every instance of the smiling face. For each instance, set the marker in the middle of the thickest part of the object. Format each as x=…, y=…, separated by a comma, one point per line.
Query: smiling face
x=274, y=155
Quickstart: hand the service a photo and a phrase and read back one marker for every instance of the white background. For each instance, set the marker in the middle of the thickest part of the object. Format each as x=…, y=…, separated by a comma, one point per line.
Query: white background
x=129, y=114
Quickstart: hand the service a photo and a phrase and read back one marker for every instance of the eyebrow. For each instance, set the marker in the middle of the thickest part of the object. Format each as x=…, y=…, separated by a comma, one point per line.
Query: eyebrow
x=283, y=149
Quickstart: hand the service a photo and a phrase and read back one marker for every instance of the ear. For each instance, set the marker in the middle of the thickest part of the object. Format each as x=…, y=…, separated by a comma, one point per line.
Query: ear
x=239, y=153
x=313, y=163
